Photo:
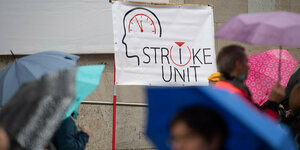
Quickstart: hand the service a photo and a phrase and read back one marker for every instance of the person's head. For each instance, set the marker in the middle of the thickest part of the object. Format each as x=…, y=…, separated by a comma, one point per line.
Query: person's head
x=294, y=102
x=233, y=61
x=4, y=140
x=198, y=128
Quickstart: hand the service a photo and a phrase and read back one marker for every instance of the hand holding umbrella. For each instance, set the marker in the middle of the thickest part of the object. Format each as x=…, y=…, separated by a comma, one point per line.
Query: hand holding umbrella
x=277, y=93
x=86, y=130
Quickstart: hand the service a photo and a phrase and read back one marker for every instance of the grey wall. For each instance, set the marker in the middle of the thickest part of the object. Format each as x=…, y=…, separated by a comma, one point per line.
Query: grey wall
x=130, y=120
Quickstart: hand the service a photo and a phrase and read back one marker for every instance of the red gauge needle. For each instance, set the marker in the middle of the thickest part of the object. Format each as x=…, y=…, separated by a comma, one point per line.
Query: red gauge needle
x=141, y=27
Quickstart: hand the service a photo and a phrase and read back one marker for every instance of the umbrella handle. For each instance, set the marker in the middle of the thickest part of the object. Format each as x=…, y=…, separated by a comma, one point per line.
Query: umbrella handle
x=279, y=64
x=12, y=53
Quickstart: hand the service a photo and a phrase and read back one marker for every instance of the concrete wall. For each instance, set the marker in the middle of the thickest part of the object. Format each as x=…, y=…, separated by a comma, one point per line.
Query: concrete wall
x=130, y=120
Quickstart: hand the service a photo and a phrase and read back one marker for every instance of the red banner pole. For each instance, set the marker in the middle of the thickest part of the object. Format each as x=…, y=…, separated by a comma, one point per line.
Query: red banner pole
x=114, y=111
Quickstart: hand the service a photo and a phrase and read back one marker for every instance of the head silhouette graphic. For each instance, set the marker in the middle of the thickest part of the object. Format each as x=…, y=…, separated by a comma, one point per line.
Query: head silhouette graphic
x=140, y=25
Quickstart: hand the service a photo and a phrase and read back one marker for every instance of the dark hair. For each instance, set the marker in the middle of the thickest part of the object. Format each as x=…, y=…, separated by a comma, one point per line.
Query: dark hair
x=295, y=98
x=204, y=122
x=228, y=56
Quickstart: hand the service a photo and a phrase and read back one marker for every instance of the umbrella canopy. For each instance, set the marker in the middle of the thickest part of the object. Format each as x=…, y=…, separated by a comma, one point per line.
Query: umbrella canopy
x=248, y=128
x=30, y=68
x=263, y=73
x=271, y=28
x=33, y=114
x=87, y=80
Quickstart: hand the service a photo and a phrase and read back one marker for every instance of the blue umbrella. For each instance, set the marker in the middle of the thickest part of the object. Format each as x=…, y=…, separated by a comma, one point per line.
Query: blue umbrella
x=33, y=114
x=248, y=128
x=30, y=68
x=87, y=80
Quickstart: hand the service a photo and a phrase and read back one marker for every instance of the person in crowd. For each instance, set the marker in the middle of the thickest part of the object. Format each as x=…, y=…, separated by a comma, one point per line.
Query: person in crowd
x=232, y=63
x=293, y=118
x=294, y=79
x=214, y=78
x=67, y=137
x=283, y=107
x=4, y=140
x=198, y=128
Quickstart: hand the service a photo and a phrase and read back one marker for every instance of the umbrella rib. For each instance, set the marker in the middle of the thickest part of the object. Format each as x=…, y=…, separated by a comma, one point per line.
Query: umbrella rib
x=24, y=66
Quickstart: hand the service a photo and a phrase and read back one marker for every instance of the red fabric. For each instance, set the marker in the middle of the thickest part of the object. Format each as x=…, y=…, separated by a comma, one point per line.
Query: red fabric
x=225, y=85
x=271, y=113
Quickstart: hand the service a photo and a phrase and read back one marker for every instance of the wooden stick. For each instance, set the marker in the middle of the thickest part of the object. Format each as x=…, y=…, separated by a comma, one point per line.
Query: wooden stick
x=155, y=3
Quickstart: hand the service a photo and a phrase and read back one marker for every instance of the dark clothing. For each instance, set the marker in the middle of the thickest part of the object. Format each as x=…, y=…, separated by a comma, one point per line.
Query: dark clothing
x=272, y=109
x=68, y=138
x=294, y=79
x=293, y=121
x=271, y=105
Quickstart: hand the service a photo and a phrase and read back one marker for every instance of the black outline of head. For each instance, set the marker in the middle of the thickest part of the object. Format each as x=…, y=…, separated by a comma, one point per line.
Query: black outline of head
x=126, y=51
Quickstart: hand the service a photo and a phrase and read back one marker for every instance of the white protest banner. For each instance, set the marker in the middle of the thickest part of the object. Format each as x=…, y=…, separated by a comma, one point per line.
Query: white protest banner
x=163, y=45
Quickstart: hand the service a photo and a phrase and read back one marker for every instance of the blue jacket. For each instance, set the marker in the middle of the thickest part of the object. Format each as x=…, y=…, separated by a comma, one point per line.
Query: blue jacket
x=68, y=138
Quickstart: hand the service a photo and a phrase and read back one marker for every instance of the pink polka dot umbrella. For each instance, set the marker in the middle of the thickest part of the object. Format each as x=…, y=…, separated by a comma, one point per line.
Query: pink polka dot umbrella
x=263, y=72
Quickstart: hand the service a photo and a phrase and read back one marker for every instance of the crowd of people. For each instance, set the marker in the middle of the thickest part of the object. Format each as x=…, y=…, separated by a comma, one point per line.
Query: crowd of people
x=199, y=128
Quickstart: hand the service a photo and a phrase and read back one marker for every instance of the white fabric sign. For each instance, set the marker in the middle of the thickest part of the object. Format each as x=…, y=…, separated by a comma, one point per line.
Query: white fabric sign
x=163, y=44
